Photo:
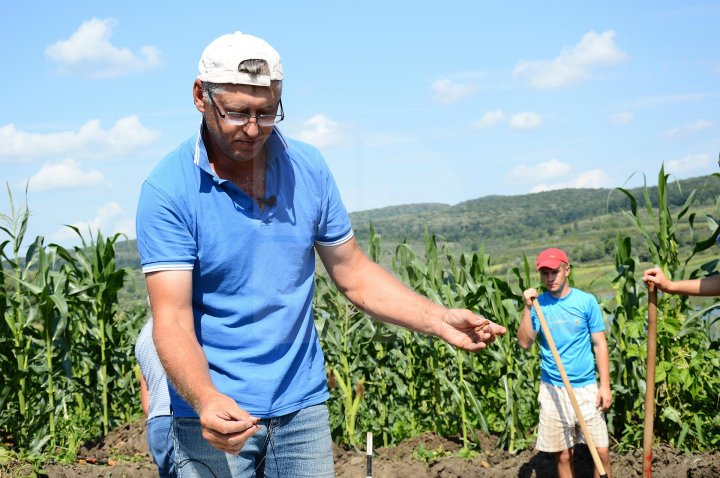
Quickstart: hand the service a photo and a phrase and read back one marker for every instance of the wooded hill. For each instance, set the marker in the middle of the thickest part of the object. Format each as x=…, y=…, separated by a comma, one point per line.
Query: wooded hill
x=581, y=220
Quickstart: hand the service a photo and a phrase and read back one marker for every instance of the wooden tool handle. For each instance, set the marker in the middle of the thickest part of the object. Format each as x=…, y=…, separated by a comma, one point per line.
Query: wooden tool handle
x=650, y=381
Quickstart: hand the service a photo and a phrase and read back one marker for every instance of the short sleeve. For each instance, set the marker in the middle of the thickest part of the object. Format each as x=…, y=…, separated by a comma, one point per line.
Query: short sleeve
x=535, y=320
x=334, y=227
x=595, y=317
x=165, y=237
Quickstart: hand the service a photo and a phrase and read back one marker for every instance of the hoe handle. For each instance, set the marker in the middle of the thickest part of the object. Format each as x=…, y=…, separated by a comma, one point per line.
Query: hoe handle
x=650, y=381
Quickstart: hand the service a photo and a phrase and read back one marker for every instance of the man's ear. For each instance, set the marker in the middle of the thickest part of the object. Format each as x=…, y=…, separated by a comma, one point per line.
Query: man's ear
x=199, y=96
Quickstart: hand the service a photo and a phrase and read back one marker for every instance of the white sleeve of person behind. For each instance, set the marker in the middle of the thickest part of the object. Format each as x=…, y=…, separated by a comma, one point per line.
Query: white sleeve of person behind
x=153, y=372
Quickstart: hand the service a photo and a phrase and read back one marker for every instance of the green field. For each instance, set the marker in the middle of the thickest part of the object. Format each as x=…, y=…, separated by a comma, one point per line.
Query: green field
x=71, y=317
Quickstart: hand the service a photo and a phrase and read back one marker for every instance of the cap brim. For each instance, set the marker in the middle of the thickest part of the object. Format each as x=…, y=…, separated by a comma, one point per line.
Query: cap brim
x=549, y=263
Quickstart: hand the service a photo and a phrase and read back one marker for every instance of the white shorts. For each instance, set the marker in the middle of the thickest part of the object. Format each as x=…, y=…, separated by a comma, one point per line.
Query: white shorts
x=559, y=427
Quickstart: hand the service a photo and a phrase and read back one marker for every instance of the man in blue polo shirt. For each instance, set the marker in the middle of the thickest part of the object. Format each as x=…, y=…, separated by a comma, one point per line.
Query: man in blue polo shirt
x=227, y=229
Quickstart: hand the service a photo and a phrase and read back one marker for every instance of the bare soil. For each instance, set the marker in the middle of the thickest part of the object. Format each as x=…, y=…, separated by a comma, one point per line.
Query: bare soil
x=123, y=453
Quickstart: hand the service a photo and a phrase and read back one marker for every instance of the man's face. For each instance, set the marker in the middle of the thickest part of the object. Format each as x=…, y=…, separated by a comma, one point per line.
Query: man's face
x=555, y=279
x=235, y=142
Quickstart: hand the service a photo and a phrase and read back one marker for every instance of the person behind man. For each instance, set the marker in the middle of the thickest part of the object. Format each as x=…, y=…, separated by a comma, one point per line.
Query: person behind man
x=227, y=229
x=155, y=401
x=706, y=286
x=575, y=321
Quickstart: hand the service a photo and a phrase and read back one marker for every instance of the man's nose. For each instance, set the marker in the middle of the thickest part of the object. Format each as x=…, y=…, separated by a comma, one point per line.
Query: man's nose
x=251, y=128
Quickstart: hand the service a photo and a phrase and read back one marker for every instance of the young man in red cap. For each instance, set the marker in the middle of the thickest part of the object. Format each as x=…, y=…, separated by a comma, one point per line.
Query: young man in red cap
x=575, y=321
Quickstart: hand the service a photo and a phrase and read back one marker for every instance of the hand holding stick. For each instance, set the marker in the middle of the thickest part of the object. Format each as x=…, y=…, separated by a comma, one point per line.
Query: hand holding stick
x=568, y=388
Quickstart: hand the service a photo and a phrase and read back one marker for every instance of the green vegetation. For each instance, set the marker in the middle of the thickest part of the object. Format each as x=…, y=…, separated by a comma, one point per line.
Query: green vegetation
x=70, y=318
x=583, y=219
x=411, y=383
x=66, y=344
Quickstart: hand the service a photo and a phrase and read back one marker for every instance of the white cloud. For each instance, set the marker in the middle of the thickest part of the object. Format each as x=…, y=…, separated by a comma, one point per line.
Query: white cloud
x=89, y=52
x=573, y=65
x=127, y=136
x=526, y=120
x=319, y=131
x=622, y=117
x=700, y=163
x=490, y=118
x=65, y=175
x=553, y=168
x=448, y=91
x=687, y=130
x=109, y=219
x=596, y=178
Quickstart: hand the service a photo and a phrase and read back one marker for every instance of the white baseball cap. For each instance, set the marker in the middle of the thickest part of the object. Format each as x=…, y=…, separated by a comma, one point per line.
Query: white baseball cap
x=221, y=58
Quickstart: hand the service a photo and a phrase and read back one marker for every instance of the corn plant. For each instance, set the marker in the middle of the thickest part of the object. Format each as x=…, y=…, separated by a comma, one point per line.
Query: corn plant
x=48, y=289
x=344, y=373
x=414, y=383
x=687, y=389
x=96, y=283
x=66, y=344
x=17, y=333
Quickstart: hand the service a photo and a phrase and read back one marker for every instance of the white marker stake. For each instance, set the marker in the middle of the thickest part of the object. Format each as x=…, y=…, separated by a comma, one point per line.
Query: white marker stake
x=368, y=463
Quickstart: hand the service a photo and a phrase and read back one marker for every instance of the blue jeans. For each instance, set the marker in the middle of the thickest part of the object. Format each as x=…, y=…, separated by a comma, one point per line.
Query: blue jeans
x=293, y=445
x=160, y=443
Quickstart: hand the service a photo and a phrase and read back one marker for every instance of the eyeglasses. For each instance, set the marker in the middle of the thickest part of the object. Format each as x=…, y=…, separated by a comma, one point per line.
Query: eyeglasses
x=241, y=119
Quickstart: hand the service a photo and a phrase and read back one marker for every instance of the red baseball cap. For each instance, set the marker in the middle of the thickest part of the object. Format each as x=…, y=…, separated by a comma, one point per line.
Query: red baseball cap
x=551, y=258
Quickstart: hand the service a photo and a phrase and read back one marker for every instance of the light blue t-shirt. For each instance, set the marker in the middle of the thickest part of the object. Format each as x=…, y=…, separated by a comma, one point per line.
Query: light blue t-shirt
x=252, y=268
x=571, y=320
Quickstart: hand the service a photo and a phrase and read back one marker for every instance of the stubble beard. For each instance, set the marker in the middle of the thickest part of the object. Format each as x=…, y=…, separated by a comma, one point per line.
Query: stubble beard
x=220, y=144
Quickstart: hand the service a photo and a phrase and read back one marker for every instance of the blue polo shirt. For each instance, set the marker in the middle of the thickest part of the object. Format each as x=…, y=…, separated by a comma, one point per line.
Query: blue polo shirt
x=252, y=268
x=571, y=320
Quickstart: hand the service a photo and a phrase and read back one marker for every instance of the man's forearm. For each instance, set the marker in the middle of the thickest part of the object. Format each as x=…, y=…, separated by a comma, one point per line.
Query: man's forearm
x=184, y=361
x=525, y=333
x=378, y=293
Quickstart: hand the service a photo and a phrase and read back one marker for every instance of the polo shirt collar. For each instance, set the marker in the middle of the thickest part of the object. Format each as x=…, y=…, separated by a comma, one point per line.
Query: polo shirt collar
x=276, y=145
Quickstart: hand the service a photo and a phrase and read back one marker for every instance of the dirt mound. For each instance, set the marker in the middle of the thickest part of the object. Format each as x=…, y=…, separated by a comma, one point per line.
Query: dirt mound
x=123, y=453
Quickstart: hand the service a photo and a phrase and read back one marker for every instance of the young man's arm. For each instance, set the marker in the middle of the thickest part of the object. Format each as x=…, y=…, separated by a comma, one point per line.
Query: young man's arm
x=602, y=357
x=375, y=291
x=526, y=333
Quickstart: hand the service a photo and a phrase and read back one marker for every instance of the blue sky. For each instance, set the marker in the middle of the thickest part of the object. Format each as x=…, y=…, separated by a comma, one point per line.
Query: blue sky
x=409, y=102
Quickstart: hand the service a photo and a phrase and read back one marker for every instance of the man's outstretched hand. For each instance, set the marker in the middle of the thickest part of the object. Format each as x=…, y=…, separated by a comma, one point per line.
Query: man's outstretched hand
x=468, y=331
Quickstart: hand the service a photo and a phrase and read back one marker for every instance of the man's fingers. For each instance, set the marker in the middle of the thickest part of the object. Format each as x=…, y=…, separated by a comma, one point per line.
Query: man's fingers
x=493, y=329
x=225, y=428
x=487, y=334
x=481, y=329
x=229, y=442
